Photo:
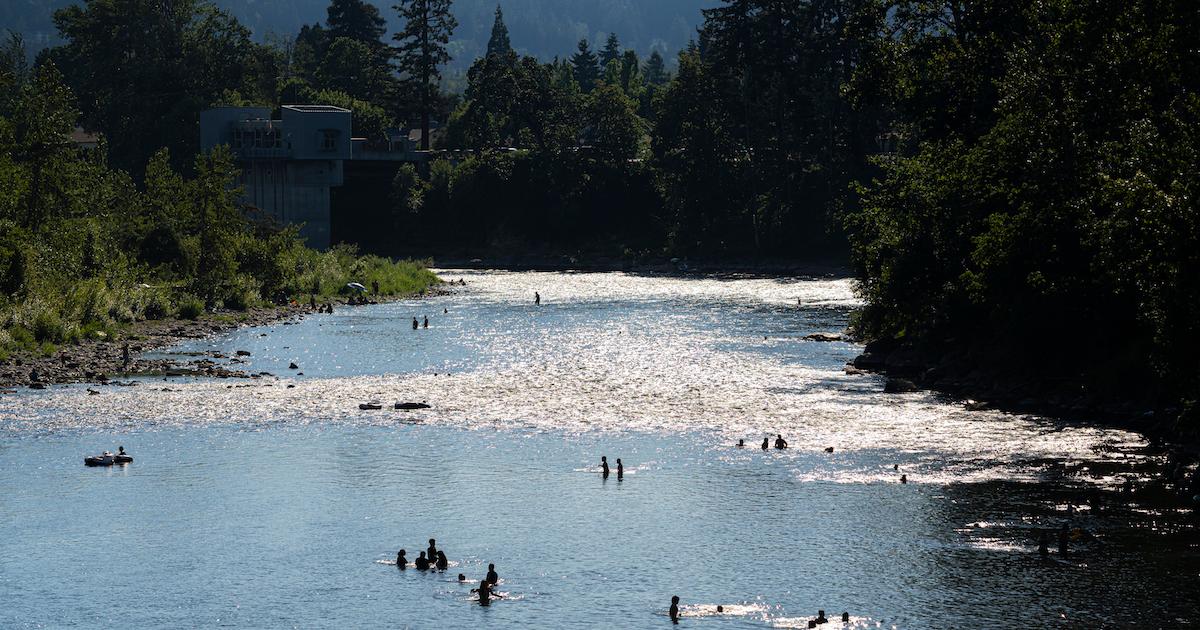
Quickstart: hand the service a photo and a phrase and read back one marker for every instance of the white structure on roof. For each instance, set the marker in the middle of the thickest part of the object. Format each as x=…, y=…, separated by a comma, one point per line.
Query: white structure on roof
x=288, y=165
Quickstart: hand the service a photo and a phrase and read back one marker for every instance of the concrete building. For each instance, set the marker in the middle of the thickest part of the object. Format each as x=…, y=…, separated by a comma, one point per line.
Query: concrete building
x=288, y=165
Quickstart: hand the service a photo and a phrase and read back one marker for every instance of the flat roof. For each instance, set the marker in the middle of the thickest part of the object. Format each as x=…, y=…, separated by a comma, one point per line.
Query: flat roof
x=317, y=109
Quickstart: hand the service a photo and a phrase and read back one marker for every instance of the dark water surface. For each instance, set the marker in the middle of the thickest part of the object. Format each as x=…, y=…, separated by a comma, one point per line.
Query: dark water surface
x=252, y=504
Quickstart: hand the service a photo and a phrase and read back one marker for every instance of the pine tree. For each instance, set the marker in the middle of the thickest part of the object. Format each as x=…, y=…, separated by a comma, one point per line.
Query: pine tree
x=586, y=70
x=355, y=19
x=428, y=25
x=655, y=70
x=611, y=52
x=498, y=44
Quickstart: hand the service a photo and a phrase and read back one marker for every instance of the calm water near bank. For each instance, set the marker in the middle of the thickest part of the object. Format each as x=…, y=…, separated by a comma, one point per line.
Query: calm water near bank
x=254, y=504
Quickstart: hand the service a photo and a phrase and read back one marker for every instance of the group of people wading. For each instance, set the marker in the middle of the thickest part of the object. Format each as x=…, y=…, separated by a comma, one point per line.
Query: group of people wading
x=434, y=558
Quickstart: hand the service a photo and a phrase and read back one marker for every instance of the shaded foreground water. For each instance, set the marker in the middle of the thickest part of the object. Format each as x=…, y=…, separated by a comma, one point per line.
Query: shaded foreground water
x=256, y=504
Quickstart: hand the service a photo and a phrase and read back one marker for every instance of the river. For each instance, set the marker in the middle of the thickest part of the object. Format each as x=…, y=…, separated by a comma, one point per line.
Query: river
x=276, y=502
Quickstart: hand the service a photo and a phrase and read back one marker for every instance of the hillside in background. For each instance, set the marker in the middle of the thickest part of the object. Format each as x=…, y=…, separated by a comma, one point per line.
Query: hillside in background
x=543, y=28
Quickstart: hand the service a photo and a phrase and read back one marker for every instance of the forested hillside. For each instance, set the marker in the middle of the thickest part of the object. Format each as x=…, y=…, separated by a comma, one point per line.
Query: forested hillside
x=540, y=28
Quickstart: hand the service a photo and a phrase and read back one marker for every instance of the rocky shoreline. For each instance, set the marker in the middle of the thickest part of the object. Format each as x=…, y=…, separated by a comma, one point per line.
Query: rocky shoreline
x=911, y=368
x=102, y=361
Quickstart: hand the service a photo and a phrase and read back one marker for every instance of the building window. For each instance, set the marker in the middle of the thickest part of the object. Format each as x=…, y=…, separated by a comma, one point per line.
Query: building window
x=329, y=139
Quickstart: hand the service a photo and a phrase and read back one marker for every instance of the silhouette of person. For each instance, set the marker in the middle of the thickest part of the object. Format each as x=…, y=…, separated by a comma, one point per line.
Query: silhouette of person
x=421, y=562
x=604, y=466
x=426, y=324
x=432, y=550
x=445, y=310
x=821, y=617
x=620, y=469
x=442, y=563
x=674, y=611
x=845, y=617
x=462, y=578
x=780, y=442
x=741, y=443
x=537, y=298
x=415, y=323
x=492, y=577
x=720, y=608
x=401, y=561
x=903, y=478
x=485, y=593
x=766, y=443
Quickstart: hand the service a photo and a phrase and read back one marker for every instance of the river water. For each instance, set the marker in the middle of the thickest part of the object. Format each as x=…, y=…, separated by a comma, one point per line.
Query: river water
x=276, y=502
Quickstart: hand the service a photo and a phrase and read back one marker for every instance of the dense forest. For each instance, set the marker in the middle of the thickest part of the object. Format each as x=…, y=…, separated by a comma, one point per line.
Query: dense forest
x=1002, y=173
x=540, y=28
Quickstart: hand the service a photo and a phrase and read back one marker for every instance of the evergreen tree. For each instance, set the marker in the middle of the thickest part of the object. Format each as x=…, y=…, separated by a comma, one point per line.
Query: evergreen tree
x=428, y=25
x=611, y=52
x=498, y=44
x=356, y=20
x=585, y=66
x=655, y=70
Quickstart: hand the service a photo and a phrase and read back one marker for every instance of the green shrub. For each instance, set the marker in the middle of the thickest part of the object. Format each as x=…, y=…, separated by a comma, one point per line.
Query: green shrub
x=191, y=308
x=48, y=326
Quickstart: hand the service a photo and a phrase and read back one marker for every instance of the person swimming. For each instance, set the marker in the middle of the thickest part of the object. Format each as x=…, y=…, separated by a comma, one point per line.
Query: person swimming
x=604, y=466
x=401, y=561
x=486, y=593
x=741, y=444
x=674, y=610
x=422, y=563
x=445, y=311
x=492, y=577
x=780, y=442
x=620, y=469
x=720, y=608
x=766, y=443
x=442, y=562
x=462, y=578
x=120, y=451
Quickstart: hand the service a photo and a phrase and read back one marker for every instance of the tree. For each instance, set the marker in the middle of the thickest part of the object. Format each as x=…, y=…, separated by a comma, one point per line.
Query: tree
x=616, y=128
x=655, y=69
x=356, y=20
x=428, y=25
x=585, y=68
x=498, y=43
x=350, y=66
x=611, y=51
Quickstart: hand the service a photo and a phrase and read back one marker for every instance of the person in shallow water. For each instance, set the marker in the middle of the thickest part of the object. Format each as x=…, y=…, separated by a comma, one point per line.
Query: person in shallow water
x=421, y=562
x=426, y=324
x=604, y=466
x=766, y=443
x=486, y=593
x=442, y=562
x=401, y=561
x=780, y=442
x=903, y=478
x=537, y=298
x=821, y=617
x=674, y=610
x=741, y=443
x=492, y=577
x=432, y=551
x=415, y=324
x=462, y=578
x=620, y=469
x=845, y=617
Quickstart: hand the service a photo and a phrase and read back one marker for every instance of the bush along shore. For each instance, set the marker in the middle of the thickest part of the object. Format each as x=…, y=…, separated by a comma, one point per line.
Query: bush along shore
x=91, y=260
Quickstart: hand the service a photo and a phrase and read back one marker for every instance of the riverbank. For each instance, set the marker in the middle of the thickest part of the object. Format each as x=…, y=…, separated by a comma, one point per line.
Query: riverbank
x=984, y=385
x=772, y=267
x=103, y=361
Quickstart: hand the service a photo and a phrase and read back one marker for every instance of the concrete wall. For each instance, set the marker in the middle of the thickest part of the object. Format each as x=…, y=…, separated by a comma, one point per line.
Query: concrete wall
x=305, y=130
x=216, y=125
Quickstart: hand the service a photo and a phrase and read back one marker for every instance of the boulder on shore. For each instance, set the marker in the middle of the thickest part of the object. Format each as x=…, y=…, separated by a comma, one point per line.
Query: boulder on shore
x=900, y=386
x=823, y=336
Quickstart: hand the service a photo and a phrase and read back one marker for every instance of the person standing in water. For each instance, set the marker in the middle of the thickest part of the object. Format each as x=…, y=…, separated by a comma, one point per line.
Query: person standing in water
x=492, y=577
x=432, y=550
x=620, y=469
x=766, y=443
x=442, y=562
x=486, y=593
x=415, y=324
x=780, y=442
x=604, y=466
x=426, y=324
x=674, y=611
x=537, y=298
x=401, y=561
x=422, y=563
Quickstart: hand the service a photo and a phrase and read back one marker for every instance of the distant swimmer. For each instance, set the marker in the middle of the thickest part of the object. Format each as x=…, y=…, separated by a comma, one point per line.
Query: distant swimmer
x=462, y=578
x=492, y=577
x=845, y=617
x=674, y=611
x=828, y=449
x=741, y=443
x=537, y=298
x=620, y=469
x=896, y=467
x=442, y=563
x=1043, y=544
x=415, y=324
x=445, y=311
x=426, y=324
x=401, y=561
x=421, y=562
x=766, y=443
x=780, y=442
x=720, y=608
x=604, y=466
x=821, y=617
x=903, y=478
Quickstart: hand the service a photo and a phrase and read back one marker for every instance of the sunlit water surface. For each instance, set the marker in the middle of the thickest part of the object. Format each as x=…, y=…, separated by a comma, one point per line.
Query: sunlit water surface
x=276, y=502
